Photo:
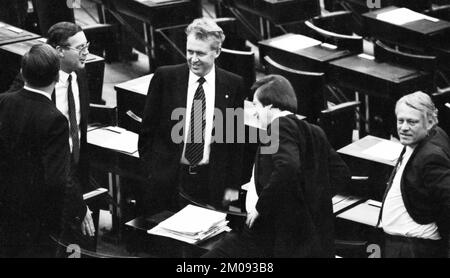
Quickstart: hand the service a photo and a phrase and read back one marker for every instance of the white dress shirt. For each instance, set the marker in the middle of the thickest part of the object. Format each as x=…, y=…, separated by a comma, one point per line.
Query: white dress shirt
x=395, y=218
x=61, y=98
x=209, y=87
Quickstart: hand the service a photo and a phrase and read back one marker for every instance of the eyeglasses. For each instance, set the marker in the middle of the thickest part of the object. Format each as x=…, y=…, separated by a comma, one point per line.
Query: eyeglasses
x=81, y=49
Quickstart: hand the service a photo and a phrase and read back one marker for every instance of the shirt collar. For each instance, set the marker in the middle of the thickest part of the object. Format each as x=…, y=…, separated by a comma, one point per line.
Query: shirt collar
x=209, y=78
x=38, y=91
x=63, y=76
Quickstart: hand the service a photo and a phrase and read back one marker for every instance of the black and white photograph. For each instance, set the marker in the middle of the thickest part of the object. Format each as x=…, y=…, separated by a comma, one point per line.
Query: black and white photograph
x=221, y=136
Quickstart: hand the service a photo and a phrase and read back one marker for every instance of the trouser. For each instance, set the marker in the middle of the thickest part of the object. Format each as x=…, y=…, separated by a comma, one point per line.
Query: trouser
x=409, y=247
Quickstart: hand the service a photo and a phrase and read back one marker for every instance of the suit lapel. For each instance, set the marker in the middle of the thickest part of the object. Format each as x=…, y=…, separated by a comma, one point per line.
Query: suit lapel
x=180, y=92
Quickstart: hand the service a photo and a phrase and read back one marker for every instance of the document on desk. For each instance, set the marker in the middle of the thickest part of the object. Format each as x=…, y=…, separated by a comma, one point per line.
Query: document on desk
x=385, y=149
x=294, y=42
x=402, y=16
x=192, y=224
x=115, y=138
x=365, y=213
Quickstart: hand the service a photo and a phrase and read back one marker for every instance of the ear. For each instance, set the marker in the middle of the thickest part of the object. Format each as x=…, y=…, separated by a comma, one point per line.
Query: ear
x=60, y=51
x=218, y=51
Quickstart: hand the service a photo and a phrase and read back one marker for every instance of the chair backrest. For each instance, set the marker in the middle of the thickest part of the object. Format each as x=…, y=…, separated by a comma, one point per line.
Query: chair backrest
x=338, y=123
x=241, y=63
x=384, y=53
x=441, y=12
x=353, y=43
x=309, y=88
x=339, y=22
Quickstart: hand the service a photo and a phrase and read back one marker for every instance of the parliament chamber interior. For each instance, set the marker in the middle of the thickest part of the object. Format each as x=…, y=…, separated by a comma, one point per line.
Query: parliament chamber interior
x=348, y=62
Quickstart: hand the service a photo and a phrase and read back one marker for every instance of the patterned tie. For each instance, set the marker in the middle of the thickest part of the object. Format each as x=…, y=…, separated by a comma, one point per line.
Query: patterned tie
x=196, y=135
x=73, y=122
x=389, y=184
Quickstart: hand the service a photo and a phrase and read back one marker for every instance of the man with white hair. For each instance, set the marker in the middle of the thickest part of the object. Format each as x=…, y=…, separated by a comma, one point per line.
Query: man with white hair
x=415, y=214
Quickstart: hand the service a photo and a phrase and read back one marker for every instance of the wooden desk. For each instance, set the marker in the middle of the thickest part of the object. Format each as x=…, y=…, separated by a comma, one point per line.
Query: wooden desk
x=131, y=97
x=288, y=50
x=10, y=34
x=357, y=149
x=273, y=12
x=118, y=165
x=11, y=55
x=418, y=34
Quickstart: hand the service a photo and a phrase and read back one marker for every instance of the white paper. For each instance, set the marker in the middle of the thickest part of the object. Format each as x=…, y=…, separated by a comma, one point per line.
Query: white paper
x=294, y=42
x=402, y=16
x=250, y=117
x=162, y=232
x=114, y=138
x=193, y=220
x=385, y=149
x=365, y=213
x=93, y=193
x=366, y=56
x=15, y=29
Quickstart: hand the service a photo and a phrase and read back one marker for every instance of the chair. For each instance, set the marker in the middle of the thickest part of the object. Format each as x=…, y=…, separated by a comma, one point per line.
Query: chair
x=241, y=63
x=354, y=43
x=441, y=12
x=308, y=86
x=338, y=122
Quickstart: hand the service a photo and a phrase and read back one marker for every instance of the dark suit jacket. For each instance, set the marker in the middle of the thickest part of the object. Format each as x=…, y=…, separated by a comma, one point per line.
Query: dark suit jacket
x=161, y=156
x=83, y=164
x=295, y=186
x=425, y=183
x=35, y=192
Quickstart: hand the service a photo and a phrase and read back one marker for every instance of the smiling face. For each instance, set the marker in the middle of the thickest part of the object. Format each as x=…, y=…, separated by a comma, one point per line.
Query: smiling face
x=200, y=55
x=412, y=125
x=74, y=56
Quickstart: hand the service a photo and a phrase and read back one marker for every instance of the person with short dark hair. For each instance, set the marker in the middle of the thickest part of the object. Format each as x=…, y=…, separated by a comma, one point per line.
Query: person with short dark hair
x=71, y=97
x=291, y=214
x=415, y=215
x=35, y=190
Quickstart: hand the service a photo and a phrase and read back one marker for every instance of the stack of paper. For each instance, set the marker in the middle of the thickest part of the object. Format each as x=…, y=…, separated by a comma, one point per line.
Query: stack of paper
x=192, y=224
x=115, y=138
x=365, y=213
x=341, y=202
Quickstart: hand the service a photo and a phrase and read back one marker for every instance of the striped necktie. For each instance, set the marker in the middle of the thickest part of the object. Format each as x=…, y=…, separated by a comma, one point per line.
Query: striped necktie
x=196, y=136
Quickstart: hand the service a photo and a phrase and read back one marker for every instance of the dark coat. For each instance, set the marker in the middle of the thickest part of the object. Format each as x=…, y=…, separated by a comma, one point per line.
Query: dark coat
x=295, y=186
x=35, y=192
x=161, y=156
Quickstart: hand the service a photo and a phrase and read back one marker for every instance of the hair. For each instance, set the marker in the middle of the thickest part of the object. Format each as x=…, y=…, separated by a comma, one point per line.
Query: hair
x=205, y=28
x=40, y=65
x=59, y=33
x=421, y=102
x=276, y=90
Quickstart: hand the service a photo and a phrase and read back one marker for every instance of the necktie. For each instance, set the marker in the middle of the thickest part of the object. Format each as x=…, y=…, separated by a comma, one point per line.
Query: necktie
x=389, y=183
x=73, y=122
x=196, y=134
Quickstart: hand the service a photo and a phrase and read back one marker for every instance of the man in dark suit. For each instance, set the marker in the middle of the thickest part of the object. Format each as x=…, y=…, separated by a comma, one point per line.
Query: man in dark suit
x=35, y=192
x=72, y=99
x=415, y=215
x=204, y=168
x=295, y=177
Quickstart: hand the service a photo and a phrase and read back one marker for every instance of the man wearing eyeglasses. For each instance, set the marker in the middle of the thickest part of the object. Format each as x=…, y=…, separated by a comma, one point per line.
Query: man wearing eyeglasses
x=71, y=97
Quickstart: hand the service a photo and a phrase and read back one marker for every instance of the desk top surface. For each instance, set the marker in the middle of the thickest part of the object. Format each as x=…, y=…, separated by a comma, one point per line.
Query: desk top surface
x=368, y=66
x=138, y=85
x=305, y=46
x=408, y=19
x=369, y=148
x=10, y=34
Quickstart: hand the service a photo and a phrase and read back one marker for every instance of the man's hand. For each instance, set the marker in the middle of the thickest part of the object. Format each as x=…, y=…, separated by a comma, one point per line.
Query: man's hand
x=230, y=195
x=87, y=226
x=251, y=218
